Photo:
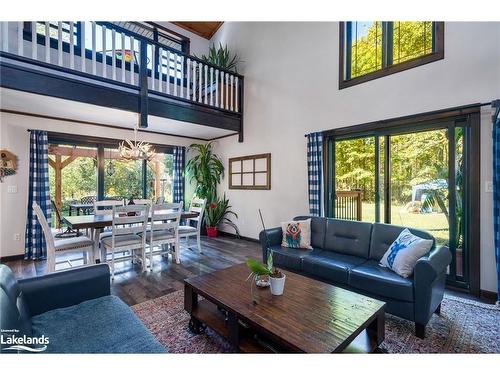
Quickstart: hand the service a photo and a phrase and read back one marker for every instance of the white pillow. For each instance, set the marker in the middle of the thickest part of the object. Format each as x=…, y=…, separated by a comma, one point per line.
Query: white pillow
x=296, y=234
x=404, y=252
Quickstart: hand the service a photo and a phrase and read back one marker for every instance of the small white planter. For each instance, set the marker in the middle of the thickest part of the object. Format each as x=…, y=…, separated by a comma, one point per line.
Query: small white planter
x=277, y=285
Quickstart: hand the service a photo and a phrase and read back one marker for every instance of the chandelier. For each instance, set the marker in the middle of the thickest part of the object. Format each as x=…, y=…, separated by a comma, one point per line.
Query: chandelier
x=134, y=150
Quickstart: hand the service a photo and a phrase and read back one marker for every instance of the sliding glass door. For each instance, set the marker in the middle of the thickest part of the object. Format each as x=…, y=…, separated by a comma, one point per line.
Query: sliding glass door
x=414, y=175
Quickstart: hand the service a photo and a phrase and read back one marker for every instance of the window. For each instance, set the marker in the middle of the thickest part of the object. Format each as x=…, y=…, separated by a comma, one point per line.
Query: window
x=251, y=172
x=374, y=49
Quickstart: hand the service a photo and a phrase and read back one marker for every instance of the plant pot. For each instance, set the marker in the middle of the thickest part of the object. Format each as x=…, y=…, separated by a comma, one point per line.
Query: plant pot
x=277, y=285
x=212, y=231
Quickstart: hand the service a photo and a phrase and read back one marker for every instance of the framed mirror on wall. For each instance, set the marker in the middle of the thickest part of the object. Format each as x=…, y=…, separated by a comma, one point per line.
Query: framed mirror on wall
x=252, y=172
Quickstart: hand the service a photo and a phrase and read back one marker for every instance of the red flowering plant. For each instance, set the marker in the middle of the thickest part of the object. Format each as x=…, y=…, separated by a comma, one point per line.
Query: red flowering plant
x=216, y=213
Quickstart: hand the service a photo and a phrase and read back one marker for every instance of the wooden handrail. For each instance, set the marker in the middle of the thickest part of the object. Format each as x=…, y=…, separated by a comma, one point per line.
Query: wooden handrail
x=349, y=204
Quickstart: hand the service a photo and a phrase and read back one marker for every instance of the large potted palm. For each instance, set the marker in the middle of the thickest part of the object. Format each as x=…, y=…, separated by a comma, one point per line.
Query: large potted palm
x=206, y=170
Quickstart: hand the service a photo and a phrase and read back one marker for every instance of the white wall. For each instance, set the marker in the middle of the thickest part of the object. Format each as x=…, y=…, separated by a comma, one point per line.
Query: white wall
x=15, y=138
x=291, y=88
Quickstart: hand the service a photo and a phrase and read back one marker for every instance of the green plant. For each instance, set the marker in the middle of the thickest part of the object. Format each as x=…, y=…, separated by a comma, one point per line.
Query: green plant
x=206, y=169
x=216, y=213
x=258, y=269
x=221, y=57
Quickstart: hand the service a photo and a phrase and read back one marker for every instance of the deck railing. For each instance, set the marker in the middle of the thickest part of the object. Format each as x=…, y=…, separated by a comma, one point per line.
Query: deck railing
x=348, y=205
x=107, y=51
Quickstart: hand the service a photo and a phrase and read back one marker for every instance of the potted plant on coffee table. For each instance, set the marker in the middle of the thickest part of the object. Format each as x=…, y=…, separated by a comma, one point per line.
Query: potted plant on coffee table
x=258, y=270
x=216, y=213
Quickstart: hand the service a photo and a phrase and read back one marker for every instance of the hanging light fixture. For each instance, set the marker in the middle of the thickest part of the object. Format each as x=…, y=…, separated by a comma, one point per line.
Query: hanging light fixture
x=134, y=150
x=110, y=169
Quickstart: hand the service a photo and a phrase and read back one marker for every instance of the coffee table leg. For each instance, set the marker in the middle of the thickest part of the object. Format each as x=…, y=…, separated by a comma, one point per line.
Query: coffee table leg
x=234, y=329
x=190, y=303
x=376, y=329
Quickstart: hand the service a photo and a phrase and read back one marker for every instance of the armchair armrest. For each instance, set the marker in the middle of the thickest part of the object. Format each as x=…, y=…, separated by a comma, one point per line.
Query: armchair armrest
x=429, y=282
x=65, y=288
x=274, y=235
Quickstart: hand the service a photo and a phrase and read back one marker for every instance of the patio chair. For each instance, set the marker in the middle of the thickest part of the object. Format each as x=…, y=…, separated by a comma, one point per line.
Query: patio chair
x=128, y=234
x=186, y=231
x=164, y=230
x=68, y=233
x=73, y=245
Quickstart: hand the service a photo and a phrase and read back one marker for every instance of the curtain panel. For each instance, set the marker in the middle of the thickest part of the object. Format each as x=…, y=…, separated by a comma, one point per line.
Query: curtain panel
x=178, y=165
x=39, y=192
x=496, y=188
x=315, y=172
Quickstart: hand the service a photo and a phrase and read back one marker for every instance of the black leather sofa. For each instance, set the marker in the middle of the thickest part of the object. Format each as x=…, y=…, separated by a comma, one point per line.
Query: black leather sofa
x=347, y=253
x=73, y=310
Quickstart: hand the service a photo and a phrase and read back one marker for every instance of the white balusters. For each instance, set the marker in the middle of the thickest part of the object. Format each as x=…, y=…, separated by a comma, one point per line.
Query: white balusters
x=182, y=77
x=206, y=86
x=124, y=65
x=5, y=36
x=59, y=44
x=175, y=73
x=132, y=62
x=188, y=89
x=226, y=104
x=193, y=98
x=83, y=58
x=216, y=87
x=236, y=105
x=20, y=47
x=47, y=41
x=232, y=92
x=113, y=54
x=222, y=90
x=34, y=41
x=104, y=64
x=153, y=67
x=168, y=72
x=211, y=86
x=94, y=47
x=160, y=73
x=200, y=68
x=71, y=46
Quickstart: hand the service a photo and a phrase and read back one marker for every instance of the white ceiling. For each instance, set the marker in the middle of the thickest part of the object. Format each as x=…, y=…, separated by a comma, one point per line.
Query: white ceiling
x=20, y=101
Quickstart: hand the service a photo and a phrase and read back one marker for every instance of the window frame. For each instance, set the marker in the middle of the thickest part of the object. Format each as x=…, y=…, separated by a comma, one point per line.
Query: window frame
x=388, y=69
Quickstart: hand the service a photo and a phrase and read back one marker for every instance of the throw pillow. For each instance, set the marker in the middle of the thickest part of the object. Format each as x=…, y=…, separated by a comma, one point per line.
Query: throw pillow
x=297, y=234
x=404, y=252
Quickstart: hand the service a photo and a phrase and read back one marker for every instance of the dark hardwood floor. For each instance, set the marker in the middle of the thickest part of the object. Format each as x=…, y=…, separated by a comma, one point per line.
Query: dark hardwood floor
x=134, y=286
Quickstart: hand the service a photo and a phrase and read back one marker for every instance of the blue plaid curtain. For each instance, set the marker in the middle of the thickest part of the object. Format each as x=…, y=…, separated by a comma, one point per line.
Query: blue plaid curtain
x=178, y=188
x=39, y=192
x=496, y=187
x=315, y=171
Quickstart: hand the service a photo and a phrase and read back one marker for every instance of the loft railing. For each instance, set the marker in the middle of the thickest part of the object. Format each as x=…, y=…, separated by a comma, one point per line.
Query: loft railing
x=348, y=205
x=107, y=51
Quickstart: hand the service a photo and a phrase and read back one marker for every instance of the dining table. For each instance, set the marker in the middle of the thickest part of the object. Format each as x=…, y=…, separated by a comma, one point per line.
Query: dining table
x=95, y=223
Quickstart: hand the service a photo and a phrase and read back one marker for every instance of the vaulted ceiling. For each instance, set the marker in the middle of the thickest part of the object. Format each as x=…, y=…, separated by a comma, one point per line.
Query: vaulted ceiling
x=204, y=29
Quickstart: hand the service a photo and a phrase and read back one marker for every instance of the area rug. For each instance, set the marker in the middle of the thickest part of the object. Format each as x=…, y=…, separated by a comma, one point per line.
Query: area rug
x=464, y=326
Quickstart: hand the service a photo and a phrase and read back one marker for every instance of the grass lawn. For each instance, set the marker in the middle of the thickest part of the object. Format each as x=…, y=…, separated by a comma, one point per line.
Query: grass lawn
x=434, y=223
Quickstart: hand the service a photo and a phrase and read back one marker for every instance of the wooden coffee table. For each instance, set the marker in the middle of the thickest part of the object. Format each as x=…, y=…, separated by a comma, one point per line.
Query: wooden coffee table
x=310, y=317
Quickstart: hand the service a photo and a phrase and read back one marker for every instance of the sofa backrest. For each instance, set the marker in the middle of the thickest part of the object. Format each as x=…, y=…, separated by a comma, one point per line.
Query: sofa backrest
x=383, y=235
x=348, y=237
x=318, y=230
x=14, y=314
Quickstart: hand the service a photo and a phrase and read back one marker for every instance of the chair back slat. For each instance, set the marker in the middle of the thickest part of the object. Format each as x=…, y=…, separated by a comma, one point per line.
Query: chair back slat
x=166, y=216
x=198, y=205
x=142, y=201
x=49, y=238
x=105, y=207
x=131, y=219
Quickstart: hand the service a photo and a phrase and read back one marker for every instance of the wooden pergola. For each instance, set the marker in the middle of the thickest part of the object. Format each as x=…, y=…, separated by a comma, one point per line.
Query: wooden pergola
x=70, y=153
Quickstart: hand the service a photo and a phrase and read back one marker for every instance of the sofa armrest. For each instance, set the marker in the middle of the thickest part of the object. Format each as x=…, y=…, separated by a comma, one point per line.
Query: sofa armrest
x=65, y=288
x=274, y=236
x=429, y=282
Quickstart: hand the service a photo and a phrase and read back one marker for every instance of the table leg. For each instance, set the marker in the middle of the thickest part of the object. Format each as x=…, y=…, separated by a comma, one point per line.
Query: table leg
x=190, y=302
x=95, y=238
x=376, y=329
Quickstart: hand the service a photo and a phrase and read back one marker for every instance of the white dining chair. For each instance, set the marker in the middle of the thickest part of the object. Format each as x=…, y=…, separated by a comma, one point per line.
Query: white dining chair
x=142, y=201
x=187, y=231
x=73, y=245
x=128, y=231
x=164, y=231
x=105, y=207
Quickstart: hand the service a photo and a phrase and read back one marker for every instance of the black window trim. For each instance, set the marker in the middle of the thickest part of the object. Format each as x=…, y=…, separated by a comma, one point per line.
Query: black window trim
x=438, y=54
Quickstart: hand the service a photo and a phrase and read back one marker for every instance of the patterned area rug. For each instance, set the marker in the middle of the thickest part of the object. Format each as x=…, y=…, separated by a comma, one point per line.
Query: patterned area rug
x=464, y=326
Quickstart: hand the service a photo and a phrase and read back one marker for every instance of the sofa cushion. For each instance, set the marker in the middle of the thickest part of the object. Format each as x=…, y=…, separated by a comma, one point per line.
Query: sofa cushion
x=348, y=237
x=318, y=229
x=381, y=281
x=330, y=266
x=383, y=235
x=100, y=325
x=289, y=258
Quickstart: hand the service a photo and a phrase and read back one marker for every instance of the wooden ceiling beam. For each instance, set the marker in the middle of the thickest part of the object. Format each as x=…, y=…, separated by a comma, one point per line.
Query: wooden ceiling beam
x=204, y=29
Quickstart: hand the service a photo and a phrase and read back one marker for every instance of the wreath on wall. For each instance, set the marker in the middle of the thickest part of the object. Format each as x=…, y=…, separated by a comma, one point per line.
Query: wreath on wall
x=8, y=164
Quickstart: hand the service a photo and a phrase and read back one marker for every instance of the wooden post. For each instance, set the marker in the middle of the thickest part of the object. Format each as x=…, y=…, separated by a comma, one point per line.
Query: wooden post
x=158, y=171
x=359, y=206
x=58, y=169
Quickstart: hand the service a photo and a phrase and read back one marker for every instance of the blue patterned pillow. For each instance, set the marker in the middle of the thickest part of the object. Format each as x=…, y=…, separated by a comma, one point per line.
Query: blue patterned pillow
x=404, y=252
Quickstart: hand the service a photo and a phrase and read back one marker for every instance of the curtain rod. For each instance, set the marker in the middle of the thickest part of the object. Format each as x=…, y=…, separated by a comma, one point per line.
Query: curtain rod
x=494, y=103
